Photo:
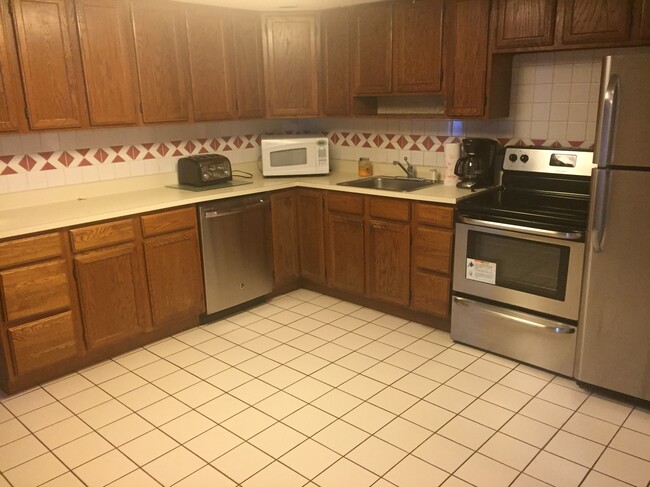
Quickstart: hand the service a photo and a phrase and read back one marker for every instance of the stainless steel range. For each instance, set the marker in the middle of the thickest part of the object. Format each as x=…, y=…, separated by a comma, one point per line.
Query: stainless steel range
x=519, y=258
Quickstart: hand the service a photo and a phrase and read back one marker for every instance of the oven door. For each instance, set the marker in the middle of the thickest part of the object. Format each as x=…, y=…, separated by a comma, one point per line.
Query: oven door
x=534, y=273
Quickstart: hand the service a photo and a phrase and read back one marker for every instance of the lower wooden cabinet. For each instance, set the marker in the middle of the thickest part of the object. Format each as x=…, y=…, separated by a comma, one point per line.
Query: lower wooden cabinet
x=389, y=248
x=311, y=237
x=174, y=277
x=284, y=230
x=111, y=294
x=432, y=253
x=345, y=237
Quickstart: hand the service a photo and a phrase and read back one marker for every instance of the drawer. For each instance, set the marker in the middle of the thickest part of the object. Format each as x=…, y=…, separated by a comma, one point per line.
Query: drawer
x=432, y=249
x=31, y=249
x=42, y=343
x=102, y=235
x=345, y=203
x=438, y=216
x=35, y=289
x=390, y=209
x=168, y=221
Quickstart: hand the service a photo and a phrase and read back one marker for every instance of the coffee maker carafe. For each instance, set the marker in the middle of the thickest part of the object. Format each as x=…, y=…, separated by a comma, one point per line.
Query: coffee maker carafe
x=477, y=169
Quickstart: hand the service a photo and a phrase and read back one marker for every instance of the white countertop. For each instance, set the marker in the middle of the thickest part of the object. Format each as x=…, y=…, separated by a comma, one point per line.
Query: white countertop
x=48, y=209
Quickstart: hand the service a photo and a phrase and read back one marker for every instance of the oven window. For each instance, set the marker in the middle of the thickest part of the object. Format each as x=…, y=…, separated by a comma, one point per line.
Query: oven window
x=523, y=265
x=289, y=157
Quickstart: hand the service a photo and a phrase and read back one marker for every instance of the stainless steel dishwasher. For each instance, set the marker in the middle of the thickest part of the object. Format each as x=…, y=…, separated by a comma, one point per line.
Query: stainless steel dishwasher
x=236, y=247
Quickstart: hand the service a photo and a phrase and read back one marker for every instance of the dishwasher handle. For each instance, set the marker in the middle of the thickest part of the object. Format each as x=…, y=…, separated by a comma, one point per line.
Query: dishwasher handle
x=214, y=213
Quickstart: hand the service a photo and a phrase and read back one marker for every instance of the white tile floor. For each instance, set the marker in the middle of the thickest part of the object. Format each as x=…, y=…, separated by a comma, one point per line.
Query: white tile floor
x=309, y=390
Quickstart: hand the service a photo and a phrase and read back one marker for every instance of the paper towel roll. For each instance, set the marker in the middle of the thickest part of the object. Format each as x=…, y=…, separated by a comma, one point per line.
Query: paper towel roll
x=452, y=154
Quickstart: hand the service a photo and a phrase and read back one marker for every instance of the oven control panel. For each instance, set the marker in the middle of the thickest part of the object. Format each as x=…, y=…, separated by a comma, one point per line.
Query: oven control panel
x=549, y=160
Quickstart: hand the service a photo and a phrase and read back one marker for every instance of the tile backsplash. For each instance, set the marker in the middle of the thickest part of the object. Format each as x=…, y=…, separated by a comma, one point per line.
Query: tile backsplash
x=554, y=101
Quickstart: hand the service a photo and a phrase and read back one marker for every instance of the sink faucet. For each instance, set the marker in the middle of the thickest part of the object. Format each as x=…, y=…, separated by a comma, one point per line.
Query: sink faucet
x=407, y=167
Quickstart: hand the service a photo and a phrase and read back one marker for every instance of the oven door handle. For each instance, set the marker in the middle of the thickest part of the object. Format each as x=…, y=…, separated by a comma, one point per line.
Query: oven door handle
x=574, y=235
x=542, y=323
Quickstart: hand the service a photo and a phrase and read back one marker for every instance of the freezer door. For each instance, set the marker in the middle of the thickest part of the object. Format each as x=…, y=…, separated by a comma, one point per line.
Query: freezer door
x=624, y=112
x=614, y=325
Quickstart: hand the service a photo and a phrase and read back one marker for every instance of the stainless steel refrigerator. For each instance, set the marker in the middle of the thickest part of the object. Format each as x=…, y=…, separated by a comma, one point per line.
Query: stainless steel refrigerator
x=614, y=324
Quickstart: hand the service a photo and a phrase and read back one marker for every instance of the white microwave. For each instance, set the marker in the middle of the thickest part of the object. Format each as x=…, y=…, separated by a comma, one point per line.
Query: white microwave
x=295, y=155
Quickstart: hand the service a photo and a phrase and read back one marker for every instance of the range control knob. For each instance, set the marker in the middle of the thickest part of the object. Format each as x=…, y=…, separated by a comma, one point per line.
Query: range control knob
x=512, y=157
x=205, y=176
x=524, y=158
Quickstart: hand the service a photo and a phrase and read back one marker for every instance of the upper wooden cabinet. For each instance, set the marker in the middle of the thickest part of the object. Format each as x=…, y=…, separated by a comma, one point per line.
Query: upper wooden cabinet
x=525, y=23
x=108, y=53
x=291, y=46
x=642, y=19
x=50, y=63
x=590, y=21
x=249, y=64
x=372, y=51
x=209, y=38
x=11, y=98
x=335, y=59
x=466, y=30
x=161, y=48
x=417, y=39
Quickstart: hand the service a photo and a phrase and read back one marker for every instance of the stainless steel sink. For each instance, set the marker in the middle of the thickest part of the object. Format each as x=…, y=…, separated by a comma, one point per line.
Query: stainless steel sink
x=390, y=183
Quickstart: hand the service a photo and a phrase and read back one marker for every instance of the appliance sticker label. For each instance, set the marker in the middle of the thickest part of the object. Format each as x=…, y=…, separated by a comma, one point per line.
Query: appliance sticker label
x=481, y=270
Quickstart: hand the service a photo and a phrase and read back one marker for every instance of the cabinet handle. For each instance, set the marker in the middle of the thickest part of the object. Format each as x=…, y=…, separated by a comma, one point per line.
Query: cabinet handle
x=378, y=226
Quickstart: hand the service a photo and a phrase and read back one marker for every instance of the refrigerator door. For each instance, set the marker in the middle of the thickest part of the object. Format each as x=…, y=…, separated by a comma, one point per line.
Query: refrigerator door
x=614, y=325
x=624, y=115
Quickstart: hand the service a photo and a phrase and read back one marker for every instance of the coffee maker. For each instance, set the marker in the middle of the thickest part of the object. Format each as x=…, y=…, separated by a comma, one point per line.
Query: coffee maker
x=480, y=165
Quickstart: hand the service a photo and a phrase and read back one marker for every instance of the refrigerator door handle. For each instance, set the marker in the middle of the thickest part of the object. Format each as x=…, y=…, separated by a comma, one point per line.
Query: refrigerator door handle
x=600, y=211
x=608, y=121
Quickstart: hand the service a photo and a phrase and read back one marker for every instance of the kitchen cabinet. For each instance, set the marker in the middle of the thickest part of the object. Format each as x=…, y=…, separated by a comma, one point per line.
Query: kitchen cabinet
x=284, y=229
x=335, y=61
x=48, y=49
x=209, y=38
x=249, y=64
x=11, y=98
x=161, y=52
x=596, y=21
x=433, y=238
x=39, y=328
x=525, y=23
x=345, y=246
x=641, y=19
x=291, y=53
x=108, y=55
x=173, y=266
x=109, y=263
x=466, y=31
x=311, y=238
x=372, y=49
x=388, y=250
x=417, y=38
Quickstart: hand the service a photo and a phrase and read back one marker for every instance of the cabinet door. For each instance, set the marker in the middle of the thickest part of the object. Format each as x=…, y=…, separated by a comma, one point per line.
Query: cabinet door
x=417, y=59
x=431, y=293
x=174, y=276
x=161, y=49
x=525, y=23
x=311, y=235
x=291, y=66
x=249, y=64
x=466, y=65
x=50, y=62
x=389, y=246
x=372, y=48
x=335, y=54
x=209, y=38
x=593, y=21
x=284, y=224
x=432, y=249
x=108, y=60
x=642, y=19
x=10, y=94
x=111, y=294
x=345, y=253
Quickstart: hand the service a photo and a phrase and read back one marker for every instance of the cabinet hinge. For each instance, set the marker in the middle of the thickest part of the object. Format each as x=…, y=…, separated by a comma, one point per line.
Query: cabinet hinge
x=141, y=108
x=10, y=8
x=26, y=112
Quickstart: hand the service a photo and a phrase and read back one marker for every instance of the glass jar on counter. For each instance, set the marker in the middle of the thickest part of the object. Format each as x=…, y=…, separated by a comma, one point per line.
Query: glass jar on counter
x=365, y=167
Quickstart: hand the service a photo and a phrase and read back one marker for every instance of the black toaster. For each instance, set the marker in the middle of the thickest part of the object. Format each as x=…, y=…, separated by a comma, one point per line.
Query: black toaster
x=204, y=170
